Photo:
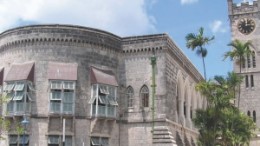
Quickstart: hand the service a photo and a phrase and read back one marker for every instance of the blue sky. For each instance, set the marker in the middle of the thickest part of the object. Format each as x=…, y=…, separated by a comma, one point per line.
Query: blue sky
x=134, y=17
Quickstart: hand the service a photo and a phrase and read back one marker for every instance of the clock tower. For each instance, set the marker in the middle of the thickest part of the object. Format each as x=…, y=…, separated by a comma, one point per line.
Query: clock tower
x=245, y=26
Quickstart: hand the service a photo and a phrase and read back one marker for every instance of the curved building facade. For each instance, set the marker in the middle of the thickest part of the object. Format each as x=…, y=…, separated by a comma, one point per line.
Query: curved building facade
x=98, y=86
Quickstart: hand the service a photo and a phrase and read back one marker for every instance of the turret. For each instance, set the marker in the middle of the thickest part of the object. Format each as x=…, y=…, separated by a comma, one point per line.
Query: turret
x=230, y=7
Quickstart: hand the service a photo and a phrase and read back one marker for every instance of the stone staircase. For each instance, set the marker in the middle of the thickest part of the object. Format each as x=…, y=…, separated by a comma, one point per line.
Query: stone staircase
x=163, y=137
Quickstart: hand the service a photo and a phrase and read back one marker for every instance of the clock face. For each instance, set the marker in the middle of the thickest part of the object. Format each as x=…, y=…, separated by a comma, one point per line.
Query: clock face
x=246, y=25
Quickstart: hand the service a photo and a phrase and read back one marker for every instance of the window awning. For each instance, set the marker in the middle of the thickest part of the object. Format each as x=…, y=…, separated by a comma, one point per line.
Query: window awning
x=103, y=100
x=112, y=101
x=62, y=71
x=23, y=71
x=99, y=76
x=18, y=96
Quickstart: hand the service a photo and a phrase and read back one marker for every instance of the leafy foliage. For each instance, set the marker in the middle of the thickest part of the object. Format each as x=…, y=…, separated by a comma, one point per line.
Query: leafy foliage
x=198, y=42
x=239, y=52
x=221, y=123
x=4, y=123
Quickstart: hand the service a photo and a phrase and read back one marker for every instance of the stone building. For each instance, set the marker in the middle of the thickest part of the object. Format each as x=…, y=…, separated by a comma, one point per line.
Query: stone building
x=98, y=86
x=245, y=26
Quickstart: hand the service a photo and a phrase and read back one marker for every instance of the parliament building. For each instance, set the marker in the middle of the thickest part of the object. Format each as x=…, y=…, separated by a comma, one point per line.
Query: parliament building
x=95, y=88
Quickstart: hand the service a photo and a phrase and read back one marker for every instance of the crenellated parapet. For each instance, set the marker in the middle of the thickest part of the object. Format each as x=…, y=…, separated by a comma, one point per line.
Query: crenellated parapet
x=243, y=7
x=65, y=35
x=146, y=43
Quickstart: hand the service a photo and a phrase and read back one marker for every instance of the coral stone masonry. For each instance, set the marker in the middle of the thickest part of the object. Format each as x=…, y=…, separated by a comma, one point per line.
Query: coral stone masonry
x=98, y=86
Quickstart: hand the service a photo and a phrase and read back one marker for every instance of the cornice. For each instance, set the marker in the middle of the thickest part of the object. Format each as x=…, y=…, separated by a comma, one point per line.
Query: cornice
x=64, y=35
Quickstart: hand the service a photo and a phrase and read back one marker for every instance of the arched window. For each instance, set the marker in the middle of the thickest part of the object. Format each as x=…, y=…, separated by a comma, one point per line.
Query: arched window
x=252, y=80
x=145, y=96
x=246, y=80
x=253, y=59
x=254, y=116
x=248, y=61
x=248, y=113
x=130, y=96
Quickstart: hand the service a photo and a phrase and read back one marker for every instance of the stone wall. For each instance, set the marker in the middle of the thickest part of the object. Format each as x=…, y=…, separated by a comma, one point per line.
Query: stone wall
x=129, y=59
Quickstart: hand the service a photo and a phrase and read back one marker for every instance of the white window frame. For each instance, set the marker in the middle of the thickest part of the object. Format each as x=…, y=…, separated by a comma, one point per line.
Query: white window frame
x=68, y=85
x=130, y=97
x=19, y=86
x=59, y=86
x=99, y=141
x=56, y=139
x=56, y=84
x=19, y=95
x=102, y=100
x=9, y=87
x=19, y=100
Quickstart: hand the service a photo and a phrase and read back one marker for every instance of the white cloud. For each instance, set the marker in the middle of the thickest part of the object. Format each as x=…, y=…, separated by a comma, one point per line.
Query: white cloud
x=217, y=26
x=124, y=17
x=183, y=2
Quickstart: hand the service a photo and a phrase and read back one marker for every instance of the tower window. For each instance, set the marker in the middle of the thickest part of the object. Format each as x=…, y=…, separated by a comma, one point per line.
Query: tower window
x=246, y=80
x=243, y=63
x=252, y=80
x=253, y=59
x=254, y=116
x=248, y=61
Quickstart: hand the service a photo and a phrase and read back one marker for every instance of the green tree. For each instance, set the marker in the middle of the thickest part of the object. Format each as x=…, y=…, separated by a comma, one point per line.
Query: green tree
x=197, y=42
x=4, y=123
x=238, y=53
x=221, y=123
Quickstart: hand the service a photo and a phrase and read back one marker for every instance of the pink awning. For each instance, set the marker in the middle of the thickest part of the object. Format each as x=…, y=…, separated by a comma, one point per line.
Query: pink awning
x=62, y=71
x=24, y=71
x=102, y=77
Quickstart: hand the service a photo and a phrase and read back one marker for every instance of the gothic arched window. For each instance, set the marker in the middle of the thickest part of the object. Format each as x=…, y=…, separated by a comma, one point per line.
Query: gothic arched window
x=248, y=61
x=144, y=94
x=130, y=96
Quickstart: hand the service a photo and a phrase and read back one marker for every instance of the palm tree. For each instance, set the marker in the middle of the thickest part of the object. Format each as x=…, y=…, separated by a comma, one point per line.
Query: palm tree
x=221, y=123
x=238, y=53
x=198, y=42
